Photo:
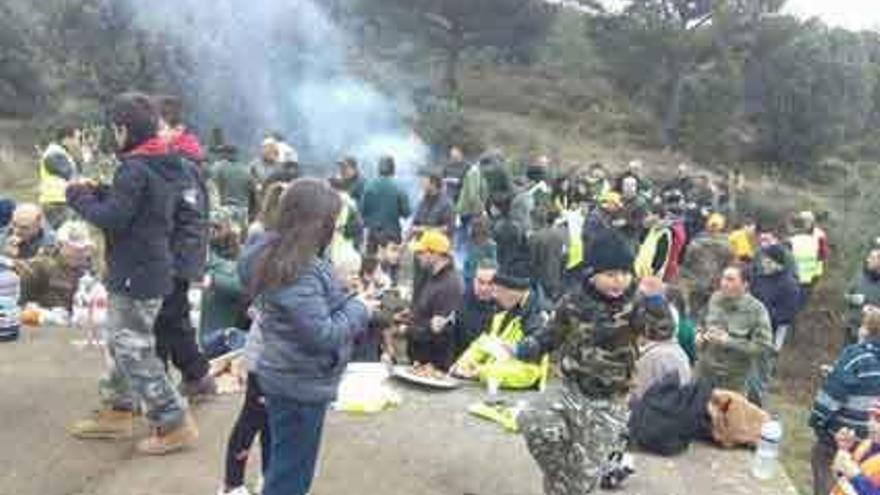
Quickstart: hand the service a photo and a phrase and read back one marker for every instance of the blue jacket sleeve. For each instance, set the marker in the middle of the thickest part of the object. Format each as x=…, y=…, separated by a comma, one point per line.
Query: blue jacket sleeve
x=864, y=486
x=115, y=209
x=322, y=328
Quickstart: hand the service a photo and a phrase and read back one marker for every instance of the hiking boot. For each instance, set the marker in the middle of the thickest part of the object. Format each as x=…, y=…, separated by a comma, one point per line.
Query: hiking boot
x=104, y=424
x=165, y=441
x=199, y=390
x=621, y=467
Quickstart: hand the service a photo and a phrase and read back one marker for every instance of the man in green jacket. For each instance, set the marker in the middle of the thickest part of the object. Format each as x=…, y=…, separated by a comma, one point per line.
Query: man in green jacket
x=234, y=183
x=735, y=344
x=383, y=206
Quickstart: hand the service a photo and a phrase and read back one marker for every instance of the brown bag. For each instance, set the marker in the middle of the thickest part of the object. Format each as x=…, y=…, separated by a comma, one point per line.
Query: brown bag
x=735, y=420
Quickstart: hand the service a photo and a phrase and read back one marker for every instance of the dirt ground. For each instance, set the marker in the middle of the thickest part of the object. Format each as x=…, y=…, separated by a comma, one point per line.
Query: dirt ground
x=428, y=445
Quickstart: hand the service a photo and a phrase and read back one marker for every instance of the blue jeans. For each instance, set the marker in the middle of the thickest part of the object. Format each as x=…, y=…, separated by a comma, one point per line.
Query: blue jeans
x=296, y=437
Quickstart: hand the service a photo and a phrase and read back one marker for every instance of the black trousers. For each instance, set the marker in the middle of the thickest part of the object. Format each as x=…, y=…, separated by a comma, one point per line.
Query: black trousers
x=252, y=421
x=176, y=337
x=823, y=454
x=429, y=347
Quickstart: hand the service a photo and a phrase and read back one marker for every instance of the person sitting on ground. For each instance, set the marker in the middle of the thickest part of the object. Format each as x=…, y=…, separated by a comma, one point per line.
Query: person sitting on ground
x=27, y=233
x=223, y=304
x=845, y=398
x=856, y=462
x=863, y=291
x=736, y=339
x=778, y=290
x=373, y=282
x=659, y=351
x=390, y=257
x=383, y=206
x=704, y=261
x=480, y=248
x=51, y=278
x=427, y=326
x=478, y=307
x=524, y=312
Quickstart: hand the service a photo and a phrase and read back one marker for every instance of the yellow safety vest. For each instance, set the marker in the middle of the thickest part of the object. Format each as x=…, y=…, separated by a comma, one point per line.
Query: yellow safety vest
x=513, y=374
x=805, y=250
x=575, y=240
x=52, y=187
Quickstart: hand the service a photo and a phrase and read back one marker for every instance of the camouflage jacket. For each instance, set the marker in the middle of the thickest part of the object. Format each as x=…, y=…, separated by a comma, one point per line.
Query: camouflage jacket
x=596, y=341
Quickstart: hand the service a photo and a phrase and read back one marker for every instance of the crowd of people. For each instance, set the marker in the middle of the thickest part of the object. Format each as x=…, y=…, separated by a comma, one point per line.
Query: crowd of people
x=615, y=283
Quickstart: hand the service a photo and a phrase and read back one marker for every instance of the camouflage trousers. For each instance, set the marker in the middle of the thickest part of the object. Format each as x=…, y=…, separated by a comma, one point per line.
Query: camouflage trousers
x=135, y=375
x=576, y=440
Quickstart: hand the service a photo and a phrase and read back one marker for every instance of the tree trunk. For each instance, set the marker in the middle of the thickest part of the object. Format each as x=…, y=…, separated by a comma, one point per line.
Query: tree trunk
x=672, y=114
x=453, y=57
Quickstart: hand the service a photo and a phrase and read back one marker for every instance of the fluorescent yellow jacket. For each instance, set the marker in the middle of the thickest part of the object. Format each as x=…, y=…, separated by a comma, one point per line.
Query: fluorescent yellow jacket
x=52, y=187
x=805, y=250
x=575, y=221
x=511, y=373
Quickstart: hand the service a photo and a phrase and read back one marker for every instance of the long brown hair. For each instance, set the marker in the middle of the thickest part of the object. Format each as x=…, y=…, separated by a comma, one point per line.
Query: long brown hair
x=305, y=222
x=268, y=214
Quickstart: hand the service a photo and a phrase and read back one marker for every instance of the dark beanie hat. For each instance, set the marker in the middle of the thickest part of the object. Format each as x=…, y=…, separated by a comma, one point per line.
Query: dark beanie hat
x=135, y=112
x=777, y=253
x=608, y=252
x=511, y=281
x=654, y=318
x=515, y=276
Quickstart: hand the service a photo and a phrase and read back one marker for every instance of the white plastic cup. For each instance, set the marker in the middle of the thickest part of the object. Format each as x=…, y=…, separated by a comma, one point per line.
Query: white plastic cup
x=492, y=385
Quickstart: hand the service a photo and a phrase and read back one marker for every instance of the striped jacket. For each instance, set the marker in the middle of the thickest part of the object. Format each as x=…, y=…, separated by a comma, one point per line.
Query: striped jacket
x=849, y=391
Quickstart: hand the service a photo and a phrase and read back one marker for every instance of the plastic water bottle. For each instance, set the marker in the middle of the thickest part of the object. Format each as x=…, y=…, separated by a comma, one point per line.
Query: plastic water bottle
x=766, y=461
x=81, y=302
x=10, y=292
x=98, y=300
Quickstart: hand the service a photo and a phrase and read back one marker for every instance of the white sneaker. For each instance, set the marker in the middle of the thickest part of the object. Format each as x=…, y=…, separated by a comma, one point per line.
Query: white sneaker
x=242, y=490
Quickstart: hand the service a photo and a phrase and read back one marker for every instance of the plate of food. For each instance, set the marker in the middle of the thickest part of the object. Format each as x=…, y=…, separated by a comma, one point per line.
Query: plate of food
x=426, y=375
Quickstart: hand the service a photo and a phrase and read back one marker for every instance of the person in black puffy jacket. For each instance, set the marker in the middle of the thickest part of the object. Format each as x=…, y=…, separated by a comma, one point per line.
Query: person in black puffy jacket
x=136, y=214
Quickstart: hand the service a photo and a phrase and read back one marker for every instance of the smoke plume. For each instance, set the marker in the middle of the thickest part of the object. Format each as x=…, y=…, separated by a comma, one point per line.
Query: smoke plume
x=280, y=65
